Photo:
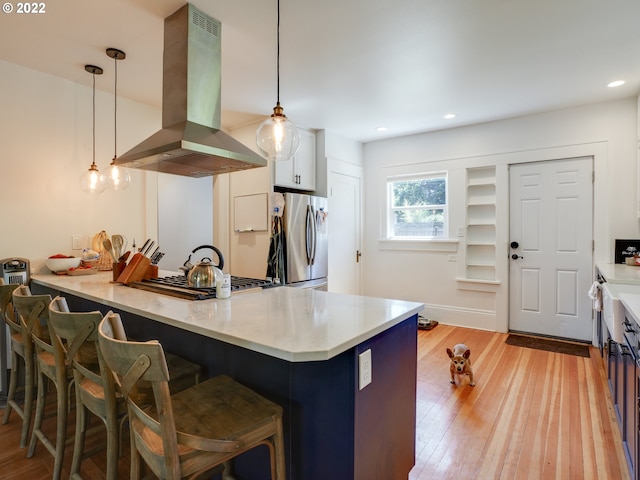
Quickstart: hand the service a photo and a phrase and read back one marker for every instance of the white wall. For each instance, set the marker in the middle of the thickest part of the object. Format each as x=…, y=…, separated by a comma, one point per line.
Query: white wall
x=185, y=219
x=46, y=145
x=248, y=251
x=607, y=131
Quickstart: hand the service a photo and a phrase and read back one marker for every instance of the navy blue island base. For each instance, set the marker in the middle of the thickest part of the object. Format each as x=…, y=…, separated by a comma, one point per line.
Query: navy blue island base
x=333, y=430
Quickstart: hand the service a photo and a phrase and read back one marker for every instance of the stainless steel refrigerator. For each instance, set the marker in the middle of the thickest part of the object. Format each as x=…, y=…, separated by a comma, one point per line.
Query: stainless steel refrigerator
x=306, y=236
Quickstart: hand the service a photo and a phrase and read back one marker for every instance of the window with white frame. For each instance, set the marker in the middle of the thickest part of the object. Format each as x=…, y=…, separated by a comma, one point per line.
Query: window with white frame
x=417, y=206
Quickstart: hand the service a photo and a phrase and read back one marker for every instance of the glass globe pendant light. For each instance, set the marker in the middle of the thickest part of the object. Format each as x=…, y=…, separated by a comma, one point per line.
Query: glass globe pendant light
x=90, y=180
x=114, y=177
x=277, y=137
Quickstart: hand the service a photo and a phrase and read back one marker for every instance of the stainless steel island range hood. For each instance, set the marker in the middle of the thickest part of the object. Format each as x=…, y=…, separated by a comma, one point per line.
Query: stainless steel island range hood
x=191, y=142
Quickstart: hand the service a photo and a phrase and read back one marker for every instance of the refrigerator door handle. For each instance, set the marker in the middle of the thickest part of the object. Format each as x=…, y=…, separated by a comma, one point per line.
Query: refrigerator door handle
x=309, y=237
x=314, y=231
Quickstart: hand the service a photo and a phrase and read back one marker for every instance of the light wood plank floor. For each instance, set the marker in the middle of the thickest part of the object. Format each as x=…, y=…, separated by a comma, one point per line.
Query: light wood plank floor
x=531, y=415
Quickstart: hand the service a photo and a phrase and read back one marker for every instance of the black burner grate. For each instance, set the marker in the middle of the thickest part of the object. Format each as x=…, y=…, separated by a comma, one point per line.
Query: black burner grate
x=177, y=286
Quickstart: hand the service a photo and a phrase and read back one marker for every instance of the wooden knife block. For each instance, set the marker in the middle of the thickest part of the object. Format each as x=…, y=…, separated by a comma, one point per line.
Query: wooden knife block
x=135, y=270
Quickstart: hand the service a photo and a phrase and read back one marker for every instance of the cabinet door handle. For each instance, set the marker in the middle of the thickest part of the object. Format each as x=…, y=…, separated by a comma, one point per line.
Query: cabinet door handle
x=623, y=350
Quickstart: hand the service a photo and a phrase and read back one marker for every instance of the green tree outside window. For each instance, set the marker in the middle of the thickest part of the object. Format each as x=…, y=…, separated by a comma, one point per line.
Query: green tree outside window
x=418, y=207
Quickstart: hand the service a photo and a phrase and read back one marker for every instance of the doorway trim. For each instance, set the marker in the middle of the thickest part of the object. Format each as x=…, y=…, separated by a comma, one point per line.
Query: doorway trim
x=599, y=152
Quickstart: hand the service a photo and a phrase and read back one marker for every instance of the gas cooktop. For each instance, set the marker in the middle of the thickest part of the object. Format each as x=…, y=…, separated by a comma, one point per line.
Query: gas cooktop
x=177, y=286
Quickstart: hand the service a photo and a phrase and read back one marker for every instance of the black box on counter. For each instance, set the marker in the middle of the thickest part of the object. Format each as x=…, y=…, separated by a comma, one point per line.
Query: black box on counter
x=626, y=248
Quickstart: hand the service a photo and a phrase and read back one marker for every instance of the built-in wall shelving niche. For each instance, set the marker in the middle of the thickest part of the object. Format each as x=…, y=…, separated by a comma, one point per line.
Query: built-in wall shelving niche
x=480, y=255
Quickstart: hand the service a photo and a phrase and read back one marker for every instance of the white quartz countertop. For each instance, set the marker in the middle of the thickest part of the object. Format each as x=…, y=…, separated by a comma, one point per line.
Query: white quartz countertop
x=292, y=324
x=631, y=303
x=619, y=273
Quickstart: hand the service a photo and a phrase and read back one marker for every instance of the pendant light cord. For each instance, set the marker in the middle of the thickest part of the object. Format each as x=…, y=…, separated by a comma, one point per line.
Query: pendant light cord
x=278, y=56
x=93, y=163
x=115, y=108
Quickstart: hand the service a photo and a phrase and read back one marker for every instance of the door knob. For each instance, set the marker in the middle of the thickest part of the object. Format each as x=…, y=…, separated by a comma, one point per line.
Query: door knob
x=515, y=256
x=515, y=244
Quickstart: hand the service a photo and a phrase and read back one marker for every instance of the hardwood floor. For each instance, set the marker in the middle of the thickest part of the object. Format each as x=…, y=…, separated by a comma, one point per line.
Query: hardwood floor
x=531, y=415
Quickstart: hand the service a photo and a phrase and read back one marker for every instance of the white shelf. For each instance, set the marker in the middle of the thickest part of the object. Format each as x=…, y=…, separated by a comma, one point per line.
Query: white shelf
x=481, y=223
x=481, y=176
x=481, y=194
x=480, y=247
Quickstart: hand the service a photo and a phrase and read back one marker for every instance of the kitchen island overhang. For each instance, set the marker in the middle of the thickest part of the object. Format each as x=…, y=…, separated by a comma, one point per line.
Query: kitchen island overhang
x=298, y=347
x=296, y=325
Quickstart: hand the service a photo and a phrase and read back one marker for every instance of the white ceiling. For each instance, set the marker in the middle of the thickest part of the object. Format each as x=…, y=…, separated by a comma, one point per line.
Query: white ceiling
x=350, y=66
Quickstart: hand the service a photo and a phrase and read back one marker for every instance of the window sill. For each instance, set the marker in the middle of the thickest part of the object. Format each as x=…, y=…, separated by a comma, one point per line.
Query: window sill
x=427, y=245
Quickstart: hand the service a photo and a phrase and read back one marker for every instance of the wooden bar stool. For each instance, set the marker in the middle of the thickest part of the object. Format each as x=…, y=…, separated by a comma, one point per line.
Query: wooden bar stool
x=77, y=333
x=193, y=432
x=183, y=373
x=21, y=360
x=32, y=310
x=95, y=388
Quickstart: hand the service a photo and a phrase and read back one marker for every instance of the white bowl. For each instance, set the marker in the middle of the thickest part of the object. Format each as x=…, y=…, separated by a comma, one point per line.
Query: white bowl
x=62, y=264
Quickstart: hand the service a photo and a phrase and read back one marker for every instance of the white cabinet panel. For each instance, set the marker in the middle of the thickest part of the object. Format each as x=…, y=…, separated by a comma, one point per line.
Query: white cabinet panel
x=299, y=172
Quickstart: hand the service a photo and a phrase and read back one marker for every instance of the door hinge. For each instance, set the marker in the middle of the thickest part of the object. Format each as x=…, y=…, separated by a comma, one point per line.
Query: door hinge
x=593, y=177
x=358, y=255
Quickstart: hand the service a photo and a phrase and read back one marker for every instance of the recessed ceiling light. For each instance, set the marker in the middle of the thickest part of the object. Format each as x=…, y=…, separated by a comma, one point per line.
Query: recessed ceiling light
x=381, y=129
x=617, y=83
x=449, y=116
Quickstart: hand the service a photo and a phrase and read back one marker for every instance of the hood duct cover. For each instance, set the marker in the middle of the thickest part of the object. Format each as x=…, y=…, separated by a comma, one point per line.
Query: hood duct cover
x=191, y=142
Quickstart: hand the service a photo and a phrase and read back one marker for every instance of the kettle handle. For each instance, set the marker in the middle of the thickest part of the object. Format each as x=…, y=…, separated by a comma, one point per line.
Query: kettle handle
x=218, y=252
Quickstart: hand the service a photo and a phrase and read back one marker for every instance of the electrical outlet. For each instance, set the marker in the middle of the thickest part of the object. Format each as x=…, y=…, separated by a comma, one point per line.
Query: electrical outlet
x=364, y=361
x=76, y=242
x=461, y=231
x=453, y=258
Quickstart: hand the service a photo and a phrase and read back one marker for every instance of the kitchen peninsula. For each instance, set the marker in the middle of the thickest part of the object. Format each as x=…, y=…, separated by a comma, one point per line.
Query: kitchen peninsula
x=300, y=348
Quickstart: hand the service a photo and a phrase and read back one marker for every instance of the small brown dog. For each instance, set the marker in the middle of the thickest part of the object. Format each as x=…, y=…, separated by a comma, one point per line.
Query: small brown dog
x=460, y=363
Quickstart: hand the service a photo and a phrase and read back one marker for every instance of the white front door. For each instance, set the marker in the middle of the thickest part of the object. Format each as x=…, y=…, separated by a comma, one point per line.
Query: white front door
x=344, y=234
x=551, y=236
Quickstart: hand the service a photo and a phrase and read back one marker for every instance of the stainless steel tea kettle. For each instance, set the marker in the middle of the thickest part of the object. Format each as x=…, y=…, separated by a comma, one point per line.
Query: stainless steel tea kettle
x=205, y=273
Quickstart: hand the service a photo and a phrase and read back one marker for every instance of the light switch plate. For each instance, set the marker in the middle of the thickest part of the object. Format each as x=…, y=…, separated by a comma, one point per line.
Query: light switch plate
x=76, y=242
x=364, y=364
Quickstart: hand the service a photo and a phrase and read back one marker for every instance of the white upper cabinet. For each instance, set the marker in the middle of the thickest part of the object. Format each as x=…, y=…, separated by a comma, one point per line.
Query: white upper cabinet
x=299, y=172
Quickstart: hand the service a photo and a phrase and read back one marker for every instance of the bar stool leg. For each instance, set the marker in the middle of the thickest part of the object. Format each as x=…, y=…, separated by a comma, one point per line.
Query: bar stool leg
x=27, y=407
x=78, y=445
x=56, y=450
x=37, y=422
x=29, y=381
x=113, y=447
x=136, y=460
x=61, y=430
x=13, y=385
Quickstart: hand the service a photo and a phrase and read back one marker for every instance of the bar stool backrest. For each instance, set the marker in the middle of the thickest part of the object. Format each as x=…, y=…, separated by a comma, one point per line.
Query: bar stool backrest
x=6, y=306
x=77, y=333
x=33, y=311
x=134, y=362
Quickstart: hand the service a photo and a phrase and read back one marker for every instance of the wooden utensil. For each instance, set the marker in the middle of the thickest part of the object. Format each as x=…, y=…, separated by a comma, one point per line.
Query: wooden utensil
x=106, y=243
x=119, y=244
